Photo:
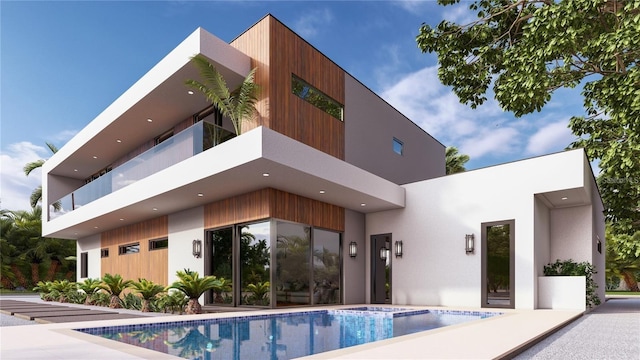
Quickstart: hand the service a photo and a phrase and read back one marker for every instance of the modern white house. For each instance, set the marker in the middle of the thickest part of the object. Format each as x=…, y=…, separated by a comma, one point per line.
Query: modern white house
x=328, y=196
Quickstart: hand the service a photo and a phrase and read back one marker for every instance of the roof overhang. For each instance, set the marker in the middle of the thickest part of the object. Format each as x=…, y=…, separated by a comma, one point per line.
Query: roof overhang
x=160, y=95
x=235, y=167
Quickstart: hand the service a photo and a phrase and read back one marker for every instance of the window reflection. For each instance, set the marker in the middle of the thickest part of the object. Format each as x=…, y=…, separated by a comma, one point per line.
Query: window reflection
x=255, y=263
x=326, y=267
x=292, y=264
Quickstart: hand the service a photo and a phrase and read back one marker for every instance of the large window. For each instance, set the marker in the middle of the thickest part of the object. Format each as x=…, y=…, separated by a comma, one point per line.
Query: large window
x=221, y=252
x=326, y=267
x=293, y=264
x=316, y=97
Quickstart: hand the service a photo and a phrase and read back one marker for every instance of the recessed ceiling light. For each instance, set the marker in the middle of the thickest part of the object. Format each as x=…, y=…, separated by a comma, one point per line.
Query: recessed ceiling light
x=118, y=140
x=565, y=198
x=200, y=194
x=95, y=227
x=121, y=219
x=155, y=209
x=322, y=191
x=190, y=92
x=149, y=120
x=363, y=204
x=95, y=157
x=265, y=174
x=76, y=170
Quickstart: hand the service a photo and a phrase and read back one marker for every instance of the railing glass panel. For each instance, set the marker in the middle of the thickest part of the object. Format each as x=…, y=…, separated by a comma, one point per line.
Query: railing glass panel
x=199, y=137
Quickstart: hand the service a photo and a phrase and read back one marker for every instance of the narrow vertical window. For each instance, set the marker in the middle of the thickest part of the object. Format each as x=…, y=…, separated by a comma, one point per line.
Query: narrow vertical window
x=398, y=146
x=104, y=252
x=84, y=266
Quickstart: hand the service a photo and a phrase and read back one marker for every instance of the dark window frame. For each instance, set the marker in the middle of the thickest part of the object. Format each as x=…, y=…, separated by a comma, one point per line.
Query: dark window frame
x=153, y=244
x=104, y=253
x=317, y=98
x=124, y=249
x=84, y=264
x=400, y=143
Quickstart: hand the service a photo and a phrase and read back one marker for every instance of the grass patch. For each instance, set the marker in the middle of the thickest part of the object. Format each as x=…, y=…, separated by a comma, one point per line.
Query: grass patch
x=16, y=292
x=622, y=293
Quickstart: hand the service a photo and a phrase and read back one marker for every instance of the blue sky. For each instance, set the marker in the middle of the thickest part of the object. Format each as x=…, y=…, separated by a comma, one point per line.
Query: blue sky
x=62, y=63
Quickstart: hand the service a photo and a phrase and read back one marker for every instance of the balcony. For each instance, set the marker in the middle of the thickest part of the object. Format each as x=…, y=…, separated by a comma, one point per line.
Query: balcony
x=192, y=141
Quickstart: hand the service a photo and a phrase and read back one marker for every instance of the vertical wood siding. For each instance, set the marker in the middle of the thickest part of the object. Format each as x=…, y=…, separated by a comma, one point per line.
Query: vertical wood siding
x=151, y=265
x=278, y=52
x=267, y=203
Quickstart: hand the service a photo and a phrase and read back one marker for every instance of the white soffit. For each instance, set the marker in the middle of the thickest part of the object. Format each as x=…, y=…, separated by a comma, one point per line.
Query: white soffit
x=160, y=95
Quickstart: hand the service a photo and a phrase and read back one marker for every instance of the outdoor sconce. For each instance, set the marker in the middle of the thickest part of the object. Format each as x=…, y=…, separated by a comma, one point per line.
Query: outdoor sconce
x=196, y=248
x=469, y=243
x=399, y=248
x=383, y=253
x=599, y=246
x=353, y=249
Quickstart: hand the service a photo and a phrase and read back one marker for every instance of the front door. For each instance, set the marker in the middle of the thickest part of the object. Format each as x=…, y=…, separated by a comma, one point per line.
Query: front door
x=380, y=270
x=498, y=264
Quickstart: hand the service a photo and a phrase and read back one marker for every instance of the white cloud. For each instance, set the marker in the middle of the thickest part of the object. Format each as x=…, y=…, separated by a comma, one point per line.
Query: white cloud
x=15, y=187
x=459, y=13
x=551, y=137
x=309, y=24
x=435, y=108
x=417, y=7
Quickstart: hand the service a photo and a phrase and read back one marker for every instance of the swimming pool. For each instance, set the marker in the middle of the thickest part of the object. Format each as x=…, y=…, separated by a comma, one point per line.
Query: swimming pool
x=282, y=336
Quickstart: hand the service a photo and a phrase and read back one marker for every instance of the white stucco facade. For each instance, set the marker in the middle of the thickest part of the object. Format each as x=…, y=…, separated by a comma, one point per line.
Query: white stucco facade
x=549, y=198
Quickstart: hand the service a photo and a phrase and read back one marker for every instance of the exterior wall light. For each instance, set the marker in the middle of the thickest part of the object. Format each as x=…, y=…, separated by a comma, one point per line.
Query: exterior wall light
x=196, y=248
x=353, y=249
x=399, y=248
x=469, y=243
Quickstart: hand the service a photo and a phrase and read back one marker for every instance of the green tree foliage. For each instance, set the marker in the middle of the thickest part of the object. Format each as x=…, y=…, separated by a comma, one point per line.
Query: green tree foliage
x=529, y=48
x=23, y=250
x=239, y=104
x=36, y=195
x=454, y=161
x=623, y=257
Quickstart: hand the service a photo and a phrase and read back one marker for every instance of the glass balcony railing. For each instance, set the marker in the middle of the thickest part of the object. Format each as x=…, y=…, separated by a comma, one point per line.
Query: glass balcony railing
x=192, y=141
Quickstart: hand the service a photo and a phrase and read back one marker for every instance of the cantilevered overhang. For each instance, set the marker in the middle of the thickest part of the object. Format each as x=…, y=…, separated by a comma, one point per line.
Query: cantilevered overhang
x=160, y=95
x=258, y=159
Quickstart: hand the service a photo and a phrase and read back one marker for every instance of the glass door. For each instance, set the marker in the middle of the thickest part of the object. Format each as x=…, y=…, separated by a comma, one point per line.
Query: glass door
x=498, y=280
x=219, y=263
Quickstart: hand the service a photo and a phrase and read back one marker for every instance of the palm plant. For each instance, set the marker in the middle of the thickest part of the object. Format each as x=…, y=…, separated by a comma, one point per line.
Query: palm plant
x=454, y=162
x=90, y=287
x=260, y=293
x=148, y=290
x=44, y=288
x=64, y=289
x=237, y=105
x=173, y=302
x=193, y=286
x=36, y=195
x=114, y=285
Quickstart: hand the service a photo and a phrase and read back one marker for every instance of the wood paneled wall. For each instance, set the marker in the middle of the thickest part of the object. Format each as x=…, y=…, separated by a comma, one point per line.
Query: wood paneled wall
x=278, y=52
x=267, y=203
x=151, y=265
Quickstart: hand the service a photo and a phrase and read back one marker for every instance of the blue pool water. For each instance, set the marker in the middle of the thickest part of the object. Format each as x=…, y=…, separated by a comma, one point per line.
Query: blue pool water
x=282, y=336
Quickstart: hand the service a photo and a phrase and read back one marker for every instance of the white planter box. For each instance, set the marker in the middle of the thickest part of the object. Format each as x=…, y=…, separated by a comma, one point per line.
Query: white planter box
x=562, y=292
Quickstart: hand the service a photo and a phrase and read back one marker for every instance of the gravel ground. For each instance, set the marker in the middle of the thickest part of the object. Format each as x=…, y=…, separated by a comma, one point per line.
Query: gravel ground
x=612, y=331
x=8, y=320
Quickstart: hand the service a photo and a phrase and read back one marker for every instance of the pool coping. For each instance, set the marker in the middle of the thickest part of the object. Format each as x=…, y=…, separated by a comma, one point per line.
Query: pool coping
x=517, y=329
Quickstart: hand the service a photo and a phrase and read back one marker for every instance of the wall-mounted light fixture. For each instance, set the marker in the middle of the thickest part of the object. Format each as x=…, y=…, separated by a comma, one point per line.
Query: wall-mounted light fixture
x=353, y=249
x=469, y=243
x=399, y=248
x=599, y=245
x=196, y=248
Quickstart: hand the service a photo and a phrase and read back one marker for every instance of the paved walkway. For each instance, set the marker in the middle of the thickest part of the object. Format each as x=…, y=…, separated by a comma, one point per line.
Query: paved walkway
x=612, y=331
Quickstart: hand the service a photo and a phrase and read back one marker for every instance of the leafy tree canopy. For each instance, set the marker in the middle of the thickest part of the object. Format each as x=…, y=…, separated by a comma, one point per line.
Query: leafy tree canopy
x=526, y=49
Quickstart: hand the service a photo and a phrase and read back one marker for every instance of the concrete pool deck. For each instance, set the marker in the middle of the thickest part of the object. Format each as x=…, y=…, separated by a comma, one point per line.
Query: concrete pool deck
x=495, y=337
